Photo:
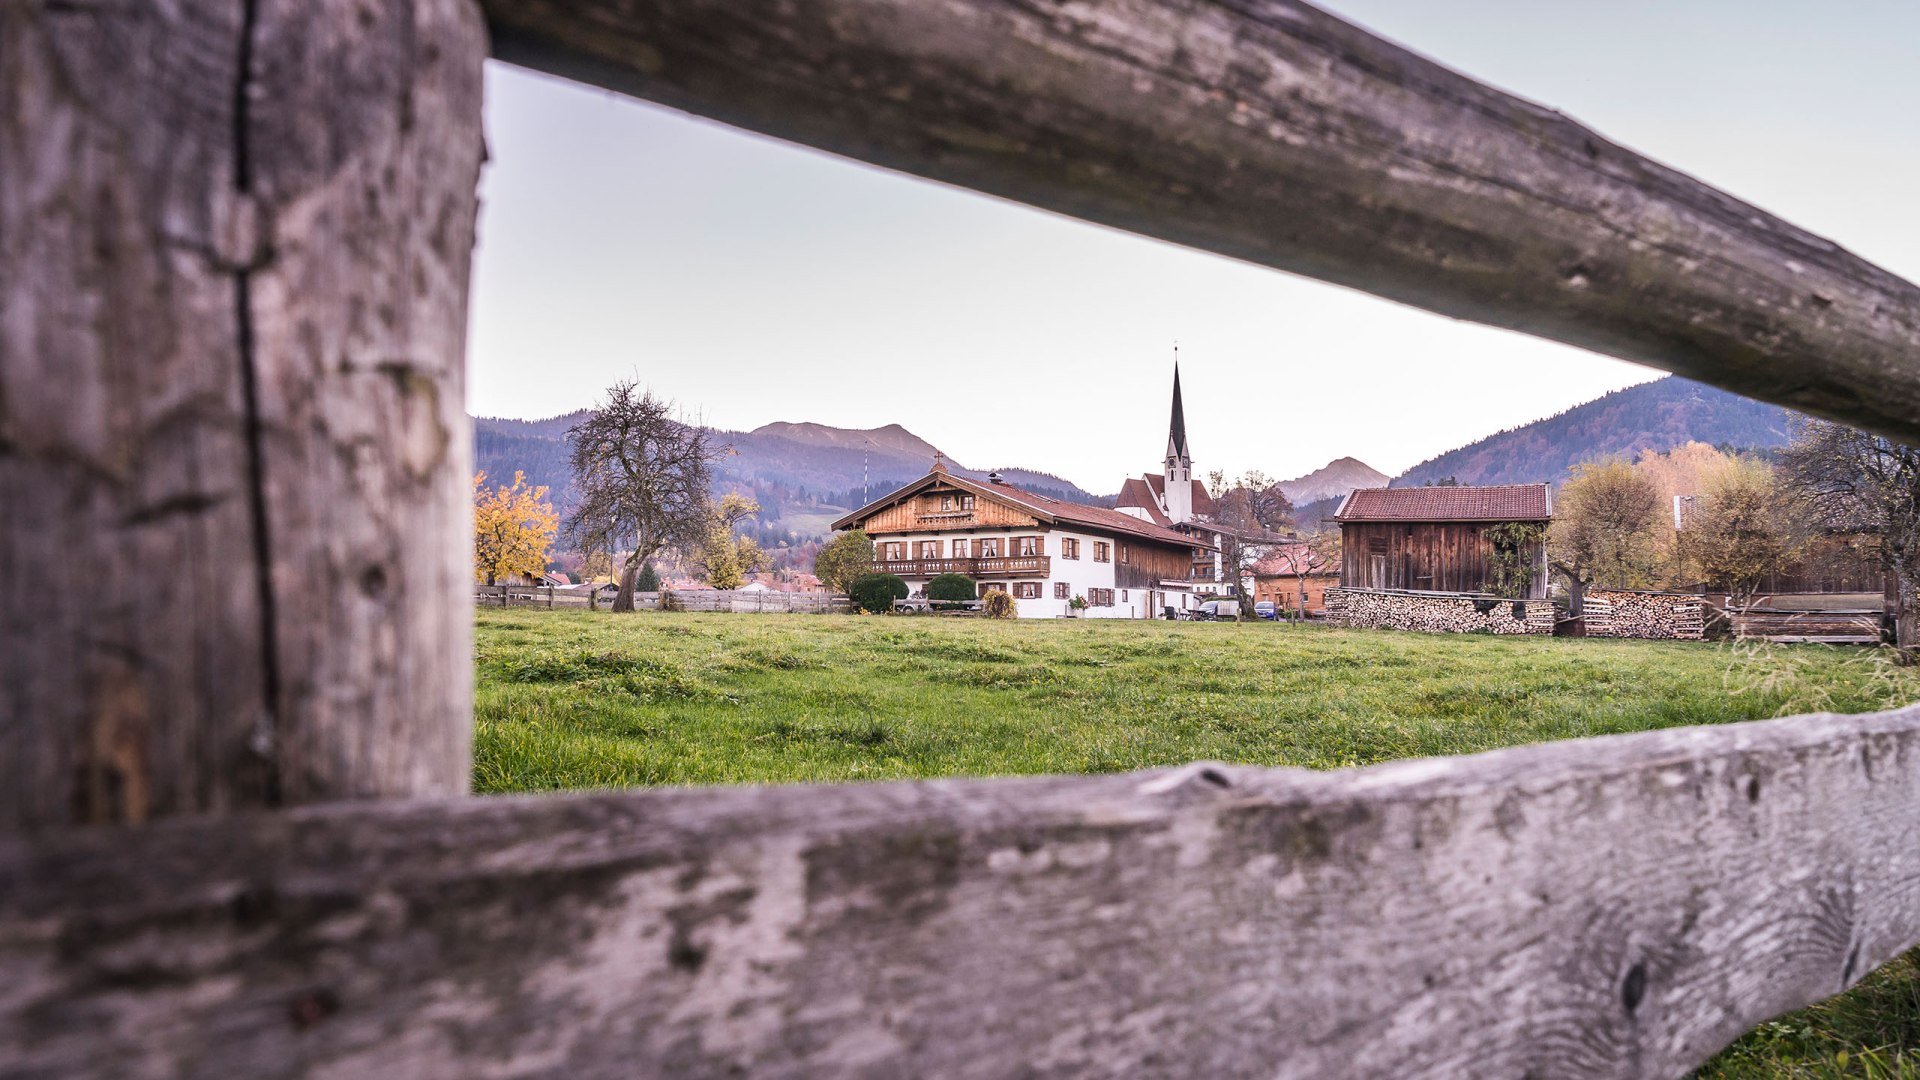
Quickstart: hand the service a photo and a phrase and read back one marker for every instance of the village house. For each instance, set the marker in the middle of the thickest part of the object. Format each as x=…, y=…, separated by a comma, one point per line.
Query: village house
x=1042, y=551
x=1436, y=539
x=1295, y=577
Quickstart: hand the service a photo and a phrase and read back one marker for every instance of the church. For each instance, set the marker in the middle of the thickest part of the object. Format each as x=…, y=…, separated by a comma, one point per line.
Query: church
x=1178, y=500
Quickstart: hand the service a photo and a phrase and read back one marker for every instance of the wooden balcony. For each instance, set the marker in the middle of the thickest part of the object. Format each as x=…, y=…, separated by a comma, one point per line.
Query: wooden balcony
x=1010, y=566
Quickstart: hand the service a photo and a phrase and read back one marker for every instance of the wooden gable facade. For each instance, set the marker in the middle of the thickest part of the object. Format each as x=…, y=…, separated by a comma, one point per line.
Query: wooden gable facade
x=1015, y=534
x=938, y=506
x=1436, y=539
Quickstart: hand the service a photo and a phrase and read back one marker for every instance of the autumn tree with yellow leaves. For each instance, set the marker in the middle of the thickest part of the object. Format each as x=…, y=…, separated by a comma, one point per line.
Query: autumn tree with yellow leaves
x=513, y=529
x=727, y=559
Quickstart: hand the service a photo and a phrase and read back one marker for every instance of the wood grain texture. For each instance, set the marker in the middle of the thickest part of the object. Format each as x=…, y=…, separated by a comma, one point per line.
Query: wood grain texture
x=233, y=263
x=1270, y=131
x=1617, y=907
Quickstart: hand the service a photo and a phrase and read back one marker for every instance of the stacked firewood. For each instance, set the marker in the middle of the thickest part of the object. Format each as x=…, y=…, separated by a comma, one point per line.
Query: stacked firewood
x=1438, y=613
x=1628, y=613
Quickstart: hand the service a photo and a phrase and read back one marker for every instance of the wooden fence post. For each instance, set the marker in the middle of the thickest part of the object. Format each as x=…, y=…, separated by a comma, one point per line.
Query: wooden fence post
x=234, y=249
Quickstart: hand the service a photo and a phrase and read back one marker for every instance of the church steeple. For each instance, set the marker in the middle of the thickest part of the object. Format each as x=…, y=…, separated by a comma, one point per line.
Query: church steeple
x=1179, y=482
x=1177, y=428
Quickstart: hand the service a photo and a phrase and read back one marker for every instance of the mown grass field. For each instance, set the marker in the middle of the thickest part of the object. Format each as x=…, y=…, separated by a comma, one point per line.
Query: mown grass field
x=580, y=700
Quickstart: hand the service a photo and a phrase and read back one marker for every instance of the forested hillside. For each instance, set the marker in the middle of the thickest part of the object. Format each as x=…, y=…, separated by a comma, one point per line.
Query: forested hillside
x=1658, y=416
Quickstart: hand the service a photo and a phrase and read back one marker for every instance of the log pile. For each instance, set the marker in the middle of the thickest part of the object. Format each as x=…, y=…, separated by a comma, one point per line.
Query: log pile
x=1627, y=613
x=1437, y=613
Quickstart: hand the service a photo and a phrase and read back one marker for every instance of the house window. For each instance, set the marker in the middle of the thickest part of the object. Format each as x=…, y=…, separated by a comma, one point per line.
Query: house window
x=929, y=549
x=1027, y=546
x=1100, y=597
x=959, y=549
x=1026, y=590
x=893, y=551
x=988, y=548
x=1069, y=548
x=991, y=586
x=1102, y=551
x=966, y=502
x=1123, y=596
x=1060, y=590
x=946, y=502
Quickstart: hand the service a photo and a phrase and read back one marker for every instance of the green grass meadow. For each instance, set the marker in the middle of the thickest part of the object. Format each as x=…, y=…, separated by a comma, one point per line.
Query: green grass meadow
x=569, y=700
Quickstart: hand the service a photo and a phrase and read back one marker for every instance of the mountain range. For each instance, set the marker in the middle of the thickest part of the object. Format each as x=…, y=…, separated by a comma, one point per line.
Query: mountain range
x=805, y=475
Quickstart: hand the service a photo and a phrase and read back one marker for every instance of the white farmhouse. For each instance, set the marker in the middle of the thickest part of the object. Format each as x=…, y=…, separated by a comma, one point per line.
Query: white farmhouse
x=1042, y=551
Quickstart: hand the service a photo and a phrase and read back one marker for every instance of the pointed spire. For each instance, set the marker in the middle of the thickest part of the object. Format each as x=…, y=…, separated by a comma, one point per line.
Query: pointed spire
x=939, y=461
x=1177, y=428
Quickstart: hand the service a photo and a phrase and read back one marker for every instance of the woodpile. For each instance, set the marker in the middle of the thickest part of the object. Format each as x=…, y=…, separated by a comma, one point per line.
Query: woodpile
x=1437, y=613
x=1626, y=613
x=1858, y=626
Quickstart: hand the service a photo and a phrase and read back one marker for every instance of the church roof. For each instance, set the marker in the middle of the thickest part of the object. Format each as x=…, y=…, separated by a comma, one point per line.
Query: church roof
x=1135, y=494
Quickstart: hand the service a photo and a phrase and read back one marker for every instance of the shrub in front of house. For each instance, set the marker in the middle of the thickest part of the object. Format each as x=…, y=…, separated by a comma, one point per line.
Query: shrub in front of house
x=951, y=587
x=877, y=592
x=996, y=605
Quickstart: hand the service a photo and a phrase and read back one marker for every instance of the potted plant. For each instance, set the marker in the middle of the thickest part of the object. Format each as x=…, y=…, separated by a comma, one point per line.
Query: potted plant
x=1075, y=606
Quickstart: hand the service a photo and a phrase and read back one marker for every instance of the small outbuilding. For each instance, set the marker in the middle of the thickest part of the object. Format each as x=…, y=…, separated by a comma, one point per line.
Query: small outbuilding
x=1441, y=539
x=1295, y=576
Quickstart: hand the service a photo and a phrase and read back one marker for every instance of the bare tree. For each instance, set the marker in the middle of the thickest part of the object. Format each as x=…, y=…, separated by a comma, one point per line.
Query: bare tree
x=1318, y=554
x=644, y=479
x=1247, y=512
x=1861, y=483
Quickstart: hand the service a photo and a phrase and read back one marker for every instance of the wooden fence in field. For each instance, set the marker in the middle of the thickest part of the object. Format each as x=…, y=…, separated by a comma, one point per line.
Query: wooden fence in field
x=810, y=603
x=734, y=600
x=234, y=837
x=1859, y=626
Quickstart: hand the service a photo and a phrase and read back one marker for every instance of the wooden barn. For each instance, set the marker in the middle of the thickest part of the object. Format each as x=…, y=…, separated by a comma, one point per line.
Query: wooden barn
x=1436, y=539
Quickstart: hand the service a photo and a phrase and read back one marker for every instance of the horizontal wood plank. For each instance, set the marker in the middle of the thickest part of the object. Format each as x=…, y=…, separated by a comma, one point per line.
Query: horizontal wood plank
x=1276, y=133
x=1607, y=907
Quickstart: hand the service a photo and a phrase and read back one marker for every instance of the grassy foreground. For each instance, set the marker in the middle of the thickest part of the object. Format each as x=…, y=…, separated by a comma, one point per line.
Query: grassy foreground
x=577, y=700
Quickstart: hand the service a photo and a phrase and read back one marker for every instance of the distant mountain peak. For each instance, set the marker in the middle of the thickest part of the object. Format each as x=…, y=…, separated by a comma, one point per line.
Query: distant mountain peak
x=891, y=438
x=1335, y=478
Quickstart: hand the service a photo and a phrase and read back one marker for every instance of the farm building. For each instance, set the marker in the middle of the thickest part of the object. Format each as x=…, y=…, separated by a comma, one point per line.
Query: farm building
x=1287, y=571
x=1041, y=550
x=1439, y=539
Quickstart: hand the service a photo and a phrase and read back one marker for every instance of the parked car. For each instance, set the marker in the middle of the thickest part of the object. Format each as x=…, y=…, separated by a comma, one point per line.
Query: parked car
x=1223, y=608
x=1266, y=609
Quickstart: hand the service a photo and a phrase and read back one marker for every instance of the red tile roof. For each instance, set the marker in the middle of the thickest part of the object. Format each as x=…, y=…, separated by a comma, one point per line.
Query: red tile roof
x=1202, y=502
x=1135, y=493
x=1500, y=502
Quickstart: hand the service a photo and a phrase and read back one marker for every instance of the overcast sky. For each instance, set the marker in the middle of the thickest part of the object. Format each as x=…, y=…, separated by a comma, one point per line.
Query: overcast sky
x=753, y=281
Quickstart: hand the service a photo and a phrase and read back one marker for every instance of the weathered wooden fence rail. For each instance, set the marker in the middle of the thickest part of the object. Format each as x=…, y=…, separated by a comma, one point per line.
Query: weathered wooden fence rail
x=1601, y=908
x=234, y=249
x=1279, y=134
